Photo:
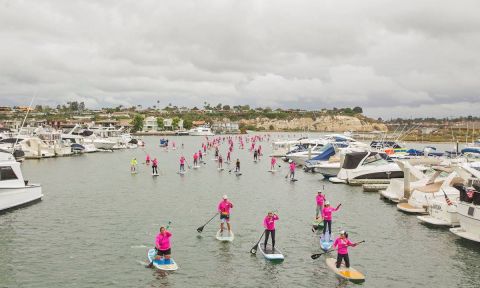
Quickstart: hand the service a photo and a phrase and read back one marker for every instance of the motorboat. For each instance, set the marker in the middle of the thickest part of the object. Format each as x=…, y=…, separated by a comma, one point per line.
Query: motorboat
x=472, y=150
x=201, y=131
x=33, y=147
x=421, y=197
x=14, y=190
x=367, y=165
x=468, y=206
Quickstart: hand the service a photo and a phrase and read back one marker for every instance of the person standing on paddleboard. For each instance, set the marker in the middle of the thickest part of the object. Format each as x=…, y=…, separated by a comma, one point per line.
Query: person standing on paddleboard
x=228, y=156
x=237, y=165
x=195, y=159
x=162, y=246
x=327, y=217
x=320, y=200
x=182, y=164
x=292, y=169
x=200, y=155
x=147, y=160
x=342, y=243
x=224, y=209
x=154, y=166
x=133, y=165
x=272, y=163
x=269, y=224
x=220, y=162
x=255, y=155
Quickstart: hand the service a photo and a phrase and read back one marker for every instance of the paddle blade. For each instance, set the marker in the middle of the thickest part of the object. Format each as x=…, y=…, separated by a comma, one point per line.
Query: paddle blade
x=254, y=249
x=200, y=229
x=315, y=256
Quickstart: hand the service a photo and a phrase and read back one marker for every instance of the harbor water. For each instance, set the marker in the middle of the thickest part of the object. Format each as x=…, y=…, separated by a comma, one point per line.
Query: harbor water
x=97, y=220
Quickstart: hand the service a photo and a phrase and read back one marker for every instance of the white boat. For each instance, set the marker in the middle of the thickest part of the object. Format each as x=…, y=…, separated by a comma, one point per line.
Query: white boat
x=201, y=131
x=468, y=206
x=14, y=190
x=441, y=214
x=421, y=197
x=367, y=165
x=396, y=189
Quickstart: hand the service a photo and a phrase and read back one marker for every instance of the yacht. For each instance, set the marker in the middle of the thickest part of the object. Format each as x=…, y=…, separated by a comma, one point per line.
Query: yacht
x=421, y=197
x=367, y=165
x=468, y=206
x=33, y=147
x=14, y=190
x=201, y=131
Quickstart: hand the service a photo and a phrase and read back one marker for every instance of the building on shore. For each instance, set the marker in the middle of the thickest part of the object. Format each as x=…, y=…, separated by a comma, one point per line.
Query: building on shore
x=226, y=128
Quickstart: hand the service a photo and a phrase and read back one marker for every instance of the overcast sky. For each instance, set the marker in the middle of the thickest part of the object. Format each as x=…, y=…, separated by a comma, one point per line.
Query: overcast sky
x=393, y=58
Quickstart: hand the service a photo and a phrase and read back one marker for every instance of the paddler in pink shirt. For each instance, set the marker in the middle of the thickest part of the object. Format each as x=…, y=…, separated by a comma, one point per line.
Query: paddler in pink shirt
x=327, y=217
x=195, y=159
x=162, y=246
x=342, y=243
x=269, y=224
x=320, y=198
x=224, y=209
x=182, y=164
x=272, y=163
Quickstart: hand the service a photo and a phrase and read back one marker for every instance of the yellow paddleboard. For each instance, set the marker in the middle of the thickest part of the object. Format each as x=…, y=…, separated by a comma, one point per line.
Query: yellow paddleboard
x=350, y=274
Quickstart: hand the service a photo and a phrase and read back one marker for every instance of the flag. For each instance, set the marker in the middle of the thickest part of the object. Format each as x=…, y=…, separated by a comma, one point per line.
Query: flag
x=449, y=203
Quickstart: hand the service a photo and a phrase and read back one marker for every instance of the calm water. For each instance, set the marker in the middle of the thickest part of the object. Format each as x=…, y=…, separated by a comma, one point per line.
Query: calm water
x=96, y=222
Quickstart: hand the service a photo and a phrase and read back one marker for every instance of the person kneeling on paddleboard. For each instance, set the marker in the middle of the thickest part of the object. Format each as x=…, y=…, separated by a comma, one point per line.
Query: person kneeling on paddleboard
x=269, y=224
x=320, y=201
x=342, y=243
x=327, y=217
x=224, y=209
x=162, y=246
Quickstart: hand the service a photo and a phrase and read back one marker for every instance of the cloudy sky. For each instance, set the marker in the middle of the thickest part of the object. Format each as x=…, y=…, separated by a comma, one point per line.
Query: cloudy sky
x=393, y=58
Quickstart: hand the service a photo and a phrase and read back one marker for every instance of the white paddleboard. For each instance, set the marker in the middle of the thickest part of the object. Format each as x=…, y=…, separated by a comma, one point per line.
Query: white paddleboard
x=272, y=171
x=343, y=272
x=225, y=236
x=326, y=243
x=221, y=169
x=154, y=174
x=182, y=172
x=160, y=264
x=238, y=174
x=196, y=167
x=274, y=255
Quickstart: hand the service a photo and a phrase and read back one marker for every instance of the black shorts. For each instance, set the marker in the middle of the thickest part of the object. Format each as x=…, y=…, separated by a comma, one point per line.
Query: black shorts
x=164, y=252
x=224, y=216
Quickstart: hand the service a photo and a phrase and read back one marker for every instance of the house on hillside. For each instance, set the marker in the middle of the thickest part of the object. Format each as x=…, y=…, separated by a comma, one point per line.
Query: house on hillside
x=150, y=124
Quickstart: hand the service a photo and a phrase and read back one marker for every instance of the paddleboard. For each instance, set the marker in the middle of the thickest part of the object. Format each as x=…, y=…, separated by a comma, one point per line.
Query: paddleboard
x=133, y=172
x=343, y=272
x=227, y=162
x=272, y=171
x=182, y=172
x=293, y=180
x=196, y=167
x=221, y=169
x=154, y=174
x=215, y=159
x=274, y=255
x=225, y=236
x=238, y=174
x=317, y=223
x=326, y=243
x=160, y=264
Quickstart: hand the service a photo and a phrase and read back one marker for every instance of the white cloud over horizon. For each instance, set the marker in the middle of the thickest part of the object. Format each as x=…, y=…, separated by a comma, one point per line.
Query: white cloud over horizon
x=394, y=59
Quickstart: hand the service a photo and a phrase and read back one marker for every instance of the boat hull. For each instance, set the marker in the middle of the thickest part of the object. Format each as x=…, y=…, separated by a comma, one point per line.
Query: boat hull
x=14, y=197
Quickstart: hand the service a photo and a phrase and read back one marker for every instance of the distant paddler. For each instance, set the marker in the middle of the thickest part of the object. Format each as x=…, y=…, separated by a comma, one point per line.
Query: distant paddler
x=292, y=167
x=154, y=166
x=237, y=166
x=147, y=160
x=220, y=162
x=216, y=152
x=228, y=156
x=133, y=165
x=224, y=209
x=272, y=163
x=162, y=246
x=320, y=199
x=195, y=159
x=200, y=155
x=342, y=243
x=327, y=217
x=269, y=224
x=255, y=155
x=182, y=164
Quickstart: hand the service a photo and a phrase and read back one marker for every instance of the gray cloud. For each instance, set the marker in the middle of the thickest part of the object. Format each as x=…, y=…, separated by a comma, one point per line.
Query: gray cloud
x=392, y=58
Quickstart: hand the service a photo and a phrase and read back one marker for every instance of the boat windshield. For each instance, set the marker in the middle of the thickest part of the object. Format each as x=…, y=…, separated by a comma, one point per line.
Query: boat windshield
x=374, y=160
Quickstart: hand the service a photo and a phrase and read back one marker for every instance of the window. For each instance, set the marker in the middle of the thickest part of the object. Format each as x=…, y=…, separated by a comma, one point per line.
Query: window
x=374, y=160
x=6, y=173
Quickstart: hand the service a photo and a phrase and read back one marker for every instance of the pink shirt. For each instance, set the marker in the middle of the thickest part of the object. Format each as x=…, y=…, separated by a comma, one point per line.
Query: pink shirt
x=269, y=222
x=148, y=157
x=292, y=166
x=182, y=160
x=162, y=242
x=342, y=245
x=327, y=212
x=155, y=162
x=195, y=156
x=320, y=199
x=224, y=207
x=274, y=160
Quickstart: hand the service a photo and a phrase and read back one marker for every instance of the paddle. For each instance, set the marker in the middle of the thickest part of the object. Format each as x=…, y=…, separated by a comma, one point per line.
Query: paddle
x=254, y=248
x=315, y=256
x=200, y=229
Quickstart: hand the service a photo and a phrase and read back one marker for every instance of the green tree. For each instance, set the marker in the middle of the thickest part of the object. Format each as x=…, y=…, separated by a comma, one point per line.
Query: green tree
x=187, y=124
x=160, y=123
x=175, y=121
x=226, y=107
x=357, y=109
x=137, y=123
